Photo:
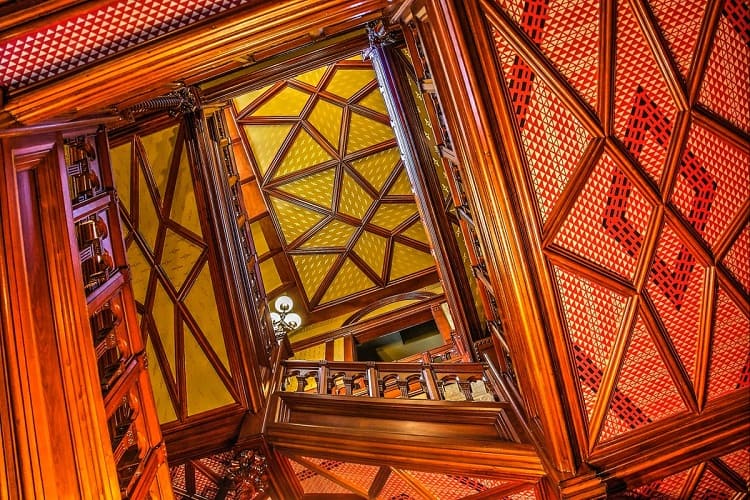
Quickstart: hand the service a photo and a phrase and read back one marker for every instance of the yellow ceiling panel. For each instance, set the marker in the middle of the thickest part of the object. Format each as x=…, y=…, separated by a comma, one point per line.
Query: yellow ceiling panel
x=334, y=234
x=402, y=185
x=390, y=215
x=159, y=148
x=377, y=167
x=121, y=160
x=178, y=258
x=416, y=232
x=294, y=220
x=270, y=275
x=365, y=132
x=374, y=101
x=140, y=270
x=350, y=279
x=164, y=407
x=164, y=318
x=287, y=102
x=265, y=141
x=201, y=301
x=304, y=152
x=205, y=390
x=312, y=77
x=326, y=118
x=184, y=210
x=243, y=101
x=315, y=353
x=259, y=238
x=313, y=269
x=315, y=188
x=348, y=81
x=371, y=249
x=354, y=199
x=407, y=260
x=148, y=220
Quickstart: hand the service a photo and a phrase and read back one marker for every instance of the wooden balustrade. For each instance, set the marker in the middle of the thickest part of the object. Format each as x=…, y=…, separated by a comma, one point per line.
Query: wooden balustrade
x=435, y=382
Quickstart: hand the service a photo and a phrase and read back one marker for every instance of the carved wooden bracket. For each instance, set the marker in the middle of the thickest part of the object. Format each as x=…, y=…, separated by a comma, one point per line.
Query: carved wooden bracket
x=178, y=102
x=248, y=473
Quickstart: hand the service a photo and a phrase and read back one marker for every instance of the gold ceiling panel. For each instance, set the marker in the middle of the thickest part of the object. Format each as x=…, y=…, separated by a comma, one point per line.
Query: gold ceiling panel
x=286, y=102
x=402, y=185
x=326, y=118
x=368, y=133
x=312, y=77
x=164, y=407
x=243, y=101
x=270, y=275
x=304, y=152
x=378, y=167
x=371, y=248
x=148, y=219
x=416, y=232
x=164, y=305
x=178, y=258
x=294, y=220
x=159, y=148
x=184, y=210
x=121, y=159
x=205, y=389
x=348, y=81
x=265, y=141
x=140, y=271
x=349, y=280
x=407, y=260
x=312, y=269
x=315, y=188
x=334, y=234
x=201, y=303
x=354, y=199
x=374, y=101
x=390, y=215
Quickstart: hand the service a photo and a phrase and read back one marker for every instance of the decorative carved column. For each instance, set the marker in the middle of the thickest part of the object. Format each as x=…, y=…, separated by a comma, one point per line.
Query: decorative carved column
x=418, y=160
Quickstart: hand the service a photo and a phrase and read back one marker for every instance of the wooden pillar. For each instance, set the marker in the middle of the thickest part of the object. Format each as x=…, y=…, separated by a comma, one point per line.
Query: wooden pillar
x=418, y=160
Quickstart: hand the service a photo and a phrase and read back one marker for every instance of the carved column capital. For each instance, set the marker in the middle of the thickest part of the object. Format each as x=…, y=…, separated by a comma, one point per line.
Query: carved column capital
x=248, y=473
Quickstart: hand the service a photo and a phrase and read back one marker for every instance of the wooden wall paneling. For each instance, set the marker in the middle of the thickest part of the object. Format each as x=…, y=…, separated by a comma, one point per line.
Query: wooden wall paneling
x=511, y=272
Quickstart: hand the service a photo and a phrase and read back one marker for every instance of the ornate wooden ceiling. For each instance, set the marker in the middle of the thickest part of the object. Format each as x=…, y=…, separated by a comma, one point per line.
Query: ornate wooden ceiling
x=326, y=159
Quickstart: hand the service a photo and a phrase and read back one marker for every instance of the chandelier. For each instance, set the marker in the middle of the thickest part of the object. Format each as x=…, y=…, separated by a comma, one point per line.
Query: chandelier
x=283, y=319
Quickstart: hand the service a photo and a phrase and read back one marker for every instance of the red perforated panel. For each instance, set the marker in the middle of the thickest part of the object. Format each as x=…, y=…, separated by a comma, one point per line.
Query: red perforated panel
x=312, y=482
x=663, y=489
x=712, y=487
x=453, y=487
x=727, y=81
x=736, y=259
x=647, y=392
x=398, y=489
x=101, y=32
x=528, y=493
x=730, y=347
x=739, y=462
x=608, y=197
x=680, y=23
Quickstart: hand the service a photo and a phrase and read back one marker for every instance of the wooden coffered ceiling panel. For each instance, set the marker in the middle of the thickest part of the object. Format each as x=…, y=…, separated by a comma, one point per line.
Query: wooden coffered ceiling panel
x=639, y=161
x=190, y=363
x=327, y=162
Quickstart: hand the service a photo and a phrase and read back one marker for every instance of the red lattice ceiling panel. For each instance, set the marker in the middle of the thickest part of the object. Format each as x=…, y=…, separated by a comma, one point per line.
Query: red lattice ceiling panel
x=357, y=474
x=218, y=463
x=730, y=349
x=177, y=474
x=643, y=106
x=645, y=392
x=739, y=462
x=713, y=183
x=528, y=493
x=448, y=487
x=553, y=139
x=663, y=489
x=607, y=222
x=710, y=486
x=96, y=34
x=736, y=260
x=675, y=286
x=514, y=8
x=680, y=23
x=312, y=482
x=398, y=489
x=726, y=84
x=593, y=315
x=205, y=486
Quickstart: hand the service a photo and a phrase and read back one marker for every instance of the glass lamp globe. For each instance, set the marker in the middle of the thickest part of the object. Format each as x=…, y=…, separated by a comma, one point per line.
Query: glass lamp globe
x=275, y=317
x=284, y=304
x=293, y=320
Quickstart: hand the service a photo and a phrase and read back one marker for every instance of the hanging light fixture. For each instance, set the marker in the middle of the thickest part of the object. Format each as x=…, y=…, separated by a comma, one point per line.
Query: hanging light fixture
x=283, y=319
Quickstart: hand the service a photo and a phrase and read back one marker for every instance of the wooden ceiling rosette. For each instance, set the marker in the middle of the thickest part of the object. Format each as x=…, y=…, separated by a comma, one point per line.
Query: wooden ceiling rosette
x=632, y=145
x=327, y=163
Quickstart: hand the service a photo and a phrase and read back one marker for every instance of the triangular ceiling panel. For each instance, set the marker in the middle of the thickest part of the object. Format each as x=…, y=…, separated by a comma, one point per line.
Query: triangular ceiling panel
x=314, y=483
x=736, y=260
x=407, y=260
x=165, y=410
x=378, y=167
x=165, y=327
x=326, y=118
x=594, y=316
x=312, y=269
x=371, y=249
x=244, y=100
x=676, y=288
x=644, y=391
x=397, y=487
x=286, y=102
x=710, y=486
x=179, y=256
x=669, y=487
x=159, y=148
x=644, y=108
x=347, y=82
x=730, y=56
x=730, y=349
x=205, y=389
x=416, y=232
x=607, y=222
x=333, y=234
x=294, y=219
x=312, y=77
x=184, y=210
x=315, y=188
x=369, y=133
x=148, y=213
x=140, y=270
x=354, y=200
x=303, y=152
x=402, y=184
x=374, y=101
x=265, y=141
x=121, y=159
x=391, y=215
x=680, y=23
x=348, y=280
